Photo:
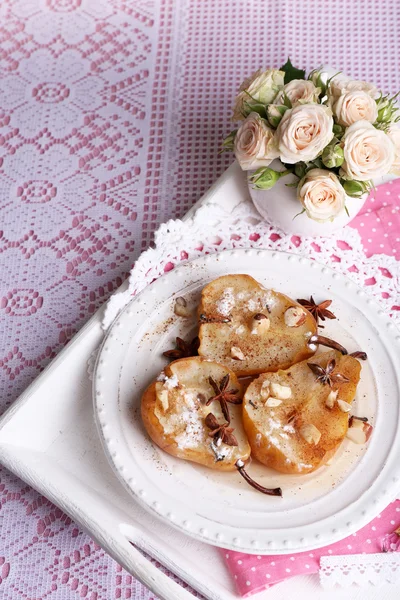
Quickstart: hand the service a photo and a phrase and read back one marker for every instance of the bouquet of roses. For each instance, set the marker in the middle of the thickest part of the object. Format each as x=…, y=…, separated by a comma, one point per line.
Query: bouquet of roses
x=334, y=134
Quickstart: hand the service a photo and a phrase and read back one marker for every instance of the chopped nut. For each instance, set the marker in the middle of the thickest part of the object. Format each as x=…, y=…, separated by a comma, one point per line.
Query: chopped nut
x=295, y=316
x=272, y=402
x=331, y=399
x=236, y=353
x=310, y=433
x=261, y=323
x=344, y=406
x=356, y=435
x=181, y=308
x=162, y=395
x=260, y=317
x=368, y=429
x=265, y=388
x=356, y=425
x=283, y=392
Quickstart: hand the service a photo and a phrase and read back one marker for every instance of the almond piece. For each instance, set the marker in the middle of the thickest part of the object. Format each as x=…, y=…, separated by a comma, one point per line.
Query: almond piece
x=366, y=427
x=181, y=308
x=283, y=392
x=261, y=323
x=162, y=395
x=310, y=433
x=356, y=435
x=331, y=399
x=236, y=353
x=355, y=423
x=344, y=406
x=265, y=389
x=273, y=402
x=294, y=316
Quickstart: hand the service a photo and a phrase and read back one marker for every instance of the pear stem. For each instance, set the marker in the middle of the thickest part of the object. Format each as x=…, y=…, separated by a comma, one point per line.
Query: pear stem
x=268, y=491
x=359, y=354
x=324, y=341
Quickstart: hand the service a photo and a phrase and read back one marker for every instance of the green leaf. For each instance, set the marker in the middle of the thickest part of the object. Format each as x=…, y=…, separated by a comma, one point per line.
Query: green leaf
x=286, y=100
x=228, y=143
x=292, y=72
x=347, y=210
x=256, y=107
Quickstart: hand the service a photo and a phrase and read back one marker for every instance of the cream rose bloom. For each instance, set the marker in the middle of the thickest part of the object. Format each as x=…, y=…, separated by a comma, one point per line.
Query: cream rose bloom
x=321, y=194
x=341, y=85
x=255, y=143
x=355, y=106
x=394, y=135
x=303, y=132
x=261, y=87
x=299, y=91
x=368, y=152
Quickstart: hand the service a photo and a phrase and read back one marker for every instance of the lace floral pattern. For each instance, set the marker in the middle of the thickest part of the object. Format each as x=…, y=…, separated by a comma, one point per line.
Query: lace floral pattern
x=93, y=157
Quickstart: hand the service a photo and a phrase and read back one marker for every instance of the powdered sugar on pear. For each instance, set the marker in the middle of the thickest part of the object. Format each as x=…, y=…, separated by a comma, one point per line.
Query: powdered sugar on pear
x=176, y=411
x=293, y=430
x=226, y=303
x=254, y=322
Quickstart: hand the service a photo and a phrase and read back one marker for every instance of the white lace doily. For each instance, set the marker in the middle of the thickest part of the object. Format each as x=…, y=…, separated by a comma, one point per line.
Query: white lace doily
x=213, y=228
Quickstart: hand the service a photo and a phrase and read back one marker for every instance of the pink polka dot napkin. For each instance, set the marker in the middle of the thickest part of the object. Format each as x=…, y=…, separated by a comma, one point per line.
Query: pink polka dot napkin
x=252, y=574
x=379, y=226
x=378, y=222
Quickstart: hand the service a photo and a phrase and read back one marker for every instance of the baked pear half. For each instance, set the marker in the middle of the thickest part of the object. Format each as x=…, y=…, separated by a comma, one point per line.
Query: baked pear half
x=296, y=419
x=194, y=412
x=251, y=329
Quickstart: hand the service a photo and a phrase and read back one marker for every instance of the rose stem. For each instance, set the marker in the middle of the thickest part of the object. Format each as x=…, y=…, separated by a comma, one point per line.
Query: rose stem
x=268, y=491
x=324, y=341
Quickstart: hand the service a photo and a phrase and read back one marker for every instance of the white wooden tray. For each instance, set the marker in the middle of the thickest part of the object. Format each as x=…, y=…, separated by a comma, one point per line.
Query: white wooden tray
x=49, y=439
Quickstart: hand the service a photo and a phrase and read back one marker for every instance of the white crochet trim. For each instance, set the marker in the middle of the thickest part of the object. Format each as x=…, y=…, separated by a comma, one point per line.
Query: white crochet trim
x=213, y=228
x=360, y=569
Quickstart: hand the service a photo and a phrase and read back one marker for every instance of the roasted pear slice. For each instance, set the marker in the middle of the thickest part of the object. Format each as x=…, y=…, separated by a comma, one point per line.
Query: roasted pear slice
x=295, y=419
x=251, y=329
x=194, y=412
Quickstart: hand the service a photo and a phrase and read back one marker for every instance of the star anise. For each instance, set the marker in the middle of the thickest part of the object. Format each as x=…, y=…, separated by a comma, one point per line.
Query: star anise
x=220, y=431
x=223, y=395
x=326, y=375
x=318, y=311
x=183, y=349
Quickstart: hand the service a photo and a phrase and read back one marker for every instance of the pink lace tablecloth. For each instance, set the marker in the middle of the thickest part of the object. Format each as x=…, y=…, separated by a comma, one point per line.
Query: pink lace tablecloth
x=111, y=114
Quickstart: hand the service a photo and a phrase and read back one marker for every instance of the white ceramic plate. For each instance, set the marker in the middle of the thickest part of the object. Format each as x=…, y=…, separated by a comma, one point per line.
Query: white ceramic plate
x=220, y=508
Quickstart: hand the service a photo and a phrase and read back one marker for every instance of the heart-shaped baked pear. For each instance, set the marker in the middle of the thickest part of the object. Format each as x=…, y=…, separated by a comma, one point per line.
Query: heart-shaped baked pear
x=251, y=329
x=295, y=419
x=182, y=418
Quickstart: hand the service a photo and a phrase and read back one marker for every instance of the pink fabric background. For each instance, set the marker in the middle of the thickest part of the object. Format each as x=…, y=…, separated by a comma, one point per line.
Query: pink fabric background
x=111, y=114
x=253, y=574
